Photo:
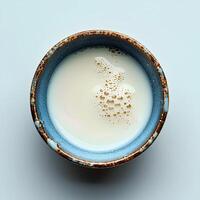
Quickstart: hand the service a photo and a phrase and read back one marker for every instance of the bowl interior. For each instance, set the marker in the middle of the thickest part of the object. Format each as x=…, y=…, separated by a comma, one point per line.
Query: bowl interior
x=88, y=41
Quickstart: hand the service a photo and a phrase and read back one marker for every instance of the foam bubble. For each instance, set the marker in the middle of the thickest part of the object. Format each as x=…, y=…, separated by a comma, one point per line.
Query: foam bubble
x=113, y=99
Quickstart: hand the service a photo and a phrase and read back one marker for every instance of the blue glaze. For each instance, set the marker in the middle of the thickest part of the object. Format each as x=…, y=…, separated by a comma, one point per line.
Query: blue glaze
x=41, y=98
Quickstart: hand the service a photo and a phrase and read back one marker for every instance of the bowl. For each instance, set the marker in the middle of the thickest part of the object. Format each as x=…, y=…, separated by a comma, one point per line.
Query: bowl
x=38, y=98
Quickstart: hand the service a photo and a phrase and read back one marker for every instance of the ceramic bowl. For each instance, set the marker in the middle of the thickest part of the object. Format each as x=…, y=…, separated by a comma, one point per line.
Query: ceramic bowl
x=38, y=98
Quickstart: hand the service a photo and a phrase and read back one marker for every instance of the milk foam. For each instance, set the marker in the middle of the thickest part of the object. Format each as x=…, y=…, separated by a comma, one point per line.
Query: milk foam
x=114, y=100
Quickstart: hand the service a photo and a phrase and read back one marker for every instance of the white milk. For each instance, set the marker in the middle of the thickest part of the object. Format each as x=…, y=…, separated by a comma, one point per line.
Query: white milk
x=99, y=99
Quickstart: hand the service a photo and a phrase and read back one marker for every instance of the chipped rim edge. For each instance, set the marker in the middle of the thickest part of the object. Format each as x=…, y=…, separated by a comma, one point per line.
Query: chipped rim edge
x=56, y=147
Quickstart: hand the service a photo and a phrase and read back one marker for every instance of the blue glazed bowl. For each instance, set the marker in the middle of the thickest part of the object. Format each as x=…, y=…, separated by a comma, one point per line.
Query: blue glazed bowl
x=38, y=98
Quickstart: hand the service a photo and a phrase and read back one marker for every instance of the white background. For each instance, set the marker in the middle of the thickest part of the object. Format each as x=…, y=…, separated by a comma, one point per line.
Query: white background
x=170, y=169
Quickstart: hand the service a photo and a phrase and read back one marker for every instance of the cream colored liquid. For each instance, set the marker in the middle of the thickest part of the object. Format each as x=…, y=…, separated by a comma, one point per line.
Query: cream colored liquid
x=77, y=96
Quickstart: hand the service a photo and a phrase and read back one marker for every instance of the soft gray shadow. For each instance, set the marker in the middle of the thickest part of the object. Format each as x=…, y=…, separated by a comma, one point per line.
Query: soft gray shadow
x=61, y=167
x=110, y=175
x=84, y=183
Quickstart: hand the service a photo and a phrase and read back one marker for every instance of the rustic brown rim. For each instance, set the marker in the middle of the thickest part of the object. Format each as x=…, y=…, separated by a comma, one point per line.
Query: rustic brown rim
x=55, y=146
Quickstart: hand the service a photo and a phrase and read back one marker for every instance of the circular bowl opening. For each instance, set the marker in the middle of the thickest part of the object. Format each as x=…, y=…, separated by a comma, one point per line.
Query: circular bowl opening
x=38, y=98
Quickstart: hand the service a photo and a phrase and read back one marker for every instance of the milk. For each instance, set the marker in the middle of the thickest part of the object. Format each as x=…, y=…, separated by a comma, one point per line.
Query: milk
x=99, y=99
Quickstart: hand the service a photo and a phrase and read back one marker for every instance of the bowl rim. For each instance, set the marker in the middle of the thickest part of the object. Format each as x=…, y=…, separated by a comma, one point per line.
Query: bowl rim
x=56, y=147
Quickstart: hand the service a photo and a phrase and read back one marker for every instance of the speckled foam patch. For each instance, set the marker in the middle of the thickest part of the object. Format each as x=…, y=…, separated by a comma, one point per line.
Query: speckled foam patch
x=113, y=99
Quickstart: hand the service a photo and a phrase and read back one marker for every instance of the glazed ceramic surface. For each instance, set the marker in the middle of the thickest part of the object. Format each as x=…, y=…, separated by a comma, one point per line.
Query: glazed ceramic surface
x=39, y=98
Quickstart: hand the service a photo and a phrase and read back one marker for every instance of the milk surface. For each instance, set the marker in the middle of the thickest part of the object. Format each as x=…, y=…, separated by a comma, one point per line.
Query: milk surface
x=99, y=99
